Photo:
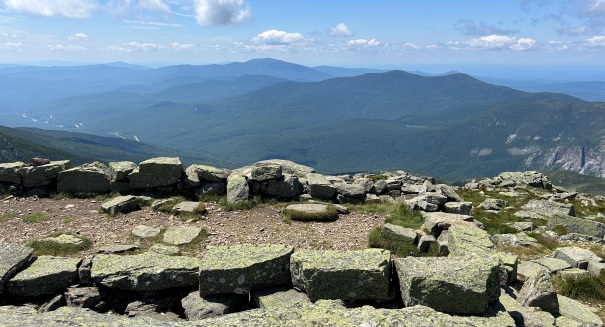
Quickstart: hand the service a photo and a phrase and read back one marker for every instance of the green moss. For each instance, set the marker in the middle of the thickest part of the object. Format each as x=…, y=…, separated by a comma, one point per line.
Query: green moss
x=36, y=217
x=42, y=247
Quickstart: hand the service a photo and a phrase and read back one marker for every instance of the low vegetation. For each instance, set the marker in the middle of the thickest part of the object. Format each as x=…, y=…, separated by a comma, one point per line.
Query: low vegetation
x=42, y=247
x=35, y=217
x=588, y=289
x=7, y=216
x=330, y=214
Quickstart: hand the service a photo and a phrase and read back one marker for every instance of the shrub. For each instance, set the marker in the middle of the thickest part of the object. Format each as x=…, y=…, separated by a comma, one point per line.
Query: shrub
x=42, y=247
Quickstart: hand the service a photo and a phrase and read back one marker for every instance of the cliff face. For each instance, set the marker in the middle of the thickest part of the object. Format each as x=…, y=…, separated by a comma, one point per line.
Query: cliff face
x=582, y=159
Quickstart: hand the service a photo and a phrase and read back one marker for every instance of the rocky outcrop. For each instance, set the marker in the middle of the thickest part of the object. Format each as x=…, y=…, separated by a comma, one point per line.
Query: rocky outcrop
x=348, y=275
x=239, y=269
x=88, y=178
x=12, y=258
x=44, y=275
x=539, y=292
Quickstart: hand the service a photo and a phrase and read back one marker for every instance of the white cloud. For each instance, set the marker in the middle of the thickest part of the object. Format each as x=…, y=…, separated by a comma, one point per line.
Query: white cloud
x=494, y=42
x=61, y=47
x=9, y=36
x=66, y=8
x=596, y=41
x=558, y=46
x=11, y=46
x=154, y=25
x=363, y=43
x=275, y=37
x=135, y=47
x=156, y=5
x=340, y=30
x=221, y=12
x=182, y=46
x=78, y=37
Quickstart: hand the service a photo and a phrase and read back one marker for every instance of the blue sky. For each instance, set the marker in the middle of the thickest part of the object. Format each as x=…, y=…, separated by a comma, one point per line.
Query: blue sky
x=377, y=33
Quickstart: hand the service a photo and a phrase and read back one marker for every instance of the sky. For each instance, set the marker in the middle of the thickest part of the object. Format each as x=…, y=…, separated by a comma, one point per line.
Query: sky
x=351, y=33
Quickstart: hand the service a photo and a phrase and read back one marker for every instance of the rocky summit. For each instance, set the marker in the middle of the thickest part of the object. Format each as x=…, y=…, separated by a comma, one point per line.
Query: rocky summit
x=495, y=252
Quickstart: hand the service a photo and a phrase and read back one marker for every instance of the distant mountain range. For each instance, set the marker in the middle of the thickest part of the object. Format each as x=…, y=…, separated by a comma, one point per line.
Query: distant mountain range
x=335, y=119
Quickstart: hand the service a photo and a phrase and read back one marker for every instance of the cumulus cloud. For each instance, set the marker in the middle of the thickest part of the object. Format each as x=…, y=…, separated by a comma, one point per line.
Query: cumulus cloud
x=275, y=37
x=61, y=47
x=135, y=47
x=340, y=30
x=494, y=42
x=363, y=42
x=469, y=27
x=11, y=46
x=66, y=8
x=182, y=46
x=596, y=41
x=220, y=12
x=79, y=37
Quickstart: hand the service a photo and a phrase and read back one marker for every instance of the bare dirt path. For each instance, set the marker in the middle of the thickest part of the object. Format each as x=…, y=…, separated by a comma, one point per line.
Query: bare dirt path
x=258, y=225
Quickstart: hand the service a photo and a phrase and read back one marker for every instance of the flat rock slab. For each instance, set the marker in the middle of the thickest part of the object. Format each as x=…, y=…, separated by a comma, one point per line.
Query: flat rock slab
x=399, y=233
x=9, y=172
x=436, y=222
x=43, y=175
x=198, y=308
x=164, y=249
x=578, y=312
x=209, y=173
x=143, y=231
x=181, y=235
x=64, y=239
x=120, y=204
x=156, y=172
x=117, y=248
x=527, y=269
x=548, y=209
x=321, y=313
x=12, y=258
x=144, y=272
x=278, y=297
x=577, y=257
x=88, y=178
x=186, y=207
x=243, y=267
x=44, y=275
x=553, y=264
x=310, y=211
x=577, y=225
x=468, y=240
x=346, y=275
x=460, y=285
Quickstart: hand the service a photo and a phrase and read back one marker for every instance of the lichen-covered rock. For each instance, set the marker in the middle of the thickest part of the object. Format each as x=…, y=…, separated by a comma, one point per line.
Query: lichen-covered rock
x=181, y=235
x=577, y=257
x=9, y=172
x=553, y=265
x=287, y=187
x=450, y=192
x=524, y=316
x=436, y=222
x=321, y=313
x=262, y=173
x=164, y=249
x=310, y=211
x=519, y=239
x=210, y=174
x=237, y=189
x=346, y=275
x=548, y=209
x=83, y=297
x=198, y=308
x=467, y=240
x=120, y=204
x=460, y=208
x=119, y=171
x=577, y=225
x=460, y=285
x=288, y=167
x=241, y=268
x=144, y=272
x=44, y=275
x=188, y=207
x=278, y=297
x=351, y=190
x=320, y=187
x=143, y=231
x=577, y=311
x=12, y=258
x=399, y=234
x=87, y=178
x=539, y=292
x=493, y=204
x=43, y=175
x=117, y=248
x=156, y=172
x=527, y=269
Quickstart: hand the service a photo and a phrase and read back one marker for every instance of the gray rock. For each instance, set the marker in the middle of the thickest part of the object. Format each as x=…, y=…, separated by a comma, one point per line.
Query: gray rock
x=87, y=178
x=436, y=222
x=262, y=173
x=9, y=172
x=287, y=187
x=440, y=283
x=158, y=205
x=548, y=209
x=319, y=187
x=326, y=313
x=399, y=234
x=144, y=272
x=442, y=242
x=64, y=239
x=43, y=175
x=449, y=192
x=181, y=235
x=83, y=297
x=366, y=183
x=53, y=304
x=525, y=316
x=346, y=275
x=198, y=308
x=351, y=190
x=425, y=242
x=539, y=292
x=528, y=215
x=143, y=231
x=460, y=208
x=44, y=275
x=577, y=311
x=596, y=268
x=118, y=248
x=519, y=239
x=577, y=225
x=120, y=187
x=120, y=170
x=278, y=297
x=525, y=226
x=237, y=189
x=156, y=172
x=84, y=270
x=493, y=204
x=577, y=257
x=120, y=204
x=310, y=211
x=39, y=161
x=164, y=249
x=209, y=173
x=187, y=207
x=573, y=273
x=240, y=268
x=12, y=258
x=468, y=240
x=527, y=269
x=159, y=309
x=553, y=264
x=288, y=167
x=214, y=188
x=380, y=186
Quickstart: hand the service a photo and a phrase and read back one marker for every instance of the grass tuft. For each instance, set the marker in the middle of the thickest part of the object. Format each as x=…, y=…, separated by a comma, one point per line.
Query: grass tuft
x=35, y=217
x=400, y=214
x=588, y=289
x=56, y=249
x=548, y=242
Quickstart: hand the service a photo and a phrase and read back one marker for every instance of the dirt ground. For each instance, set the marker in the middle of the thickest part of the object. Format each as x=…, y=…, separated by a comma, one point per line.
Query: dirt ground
x=263, y=224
